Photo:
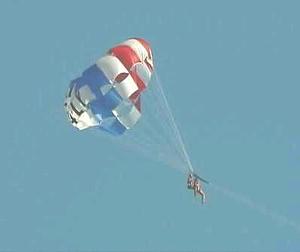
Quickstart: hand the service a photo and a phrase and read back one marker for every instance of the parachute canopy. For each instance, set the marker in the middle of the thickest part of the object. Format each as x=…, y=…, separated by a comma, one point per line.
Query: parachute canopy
x=108, y=94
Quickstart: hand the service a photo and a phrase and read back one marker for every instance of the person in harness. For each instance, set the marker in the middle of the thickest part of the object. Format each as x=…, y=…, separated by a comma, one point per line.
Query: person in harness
x=194, y=184
x=190, y=181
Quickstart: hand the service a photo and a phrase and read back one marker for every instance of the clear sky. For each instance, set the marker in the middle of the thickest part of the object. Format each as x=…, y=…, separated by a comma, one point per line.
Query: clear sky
x=230, y=70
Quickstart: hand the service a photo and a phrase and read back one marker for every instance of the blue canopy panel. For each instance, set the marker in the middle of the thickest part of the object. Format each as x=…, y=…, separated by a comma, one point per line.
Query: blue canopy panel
x=103, y=105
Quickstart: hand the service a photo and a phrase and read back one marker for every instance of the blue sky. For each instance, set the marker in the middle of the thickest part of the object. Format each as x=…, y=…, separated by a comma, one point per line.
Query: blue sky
x=230, y=72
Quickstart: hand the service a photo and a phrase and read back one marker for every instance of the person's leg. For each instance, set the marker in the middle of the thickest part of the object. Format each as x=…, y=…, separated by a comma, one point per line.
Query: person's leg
x=203, y=196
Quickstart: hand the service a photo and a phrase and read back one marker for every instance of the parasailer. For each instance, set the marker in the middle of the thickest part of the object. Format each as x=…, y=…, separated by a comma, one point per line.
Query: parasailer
x=198, y=190
x=194, y=184
x=190, y=182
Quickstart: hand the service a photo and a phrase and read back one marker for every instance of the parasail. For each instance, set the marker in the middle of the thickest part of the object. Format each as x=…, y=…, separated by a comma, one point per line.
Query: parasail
x=108, y=94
